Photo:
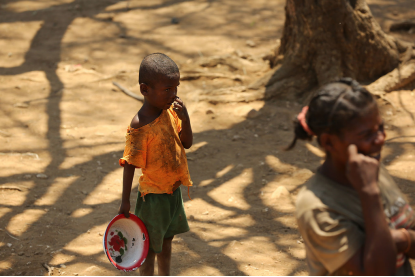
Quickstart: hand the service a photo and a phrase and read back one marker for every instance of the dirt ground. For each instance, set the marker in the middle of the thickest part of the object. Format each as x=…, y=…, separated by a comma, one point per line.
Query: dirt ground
x=62, y=127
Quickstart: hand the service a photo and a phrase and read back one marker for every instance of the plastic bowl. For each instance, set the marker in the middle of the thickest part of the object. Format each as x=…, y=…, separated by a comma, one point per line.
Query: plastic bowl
x=126, y=242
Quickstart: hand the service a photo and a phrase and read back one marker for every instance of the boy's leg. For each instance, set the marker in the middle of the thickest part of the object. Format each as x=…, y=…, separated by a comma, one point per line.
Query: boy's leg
x=147, y=268
x=164, y=258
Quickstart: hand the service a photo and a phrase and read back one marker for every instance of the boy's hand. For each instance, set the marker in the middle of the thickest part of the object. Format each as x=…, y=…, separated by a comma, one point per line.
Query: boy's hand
x=180, y=109
x=362, y=171
x=125, y=209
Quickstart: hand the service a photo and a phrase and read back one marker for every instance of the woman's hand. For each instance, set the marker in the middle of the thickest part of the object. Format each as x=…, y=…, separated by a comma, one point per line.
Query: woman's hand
x=402, y=242
x=378, y=254
x=362, y=172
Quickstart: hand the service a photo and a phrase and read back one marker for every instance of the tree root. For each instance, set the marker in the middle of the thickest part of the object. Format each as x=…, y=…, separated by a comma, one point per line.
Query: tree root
x=7, y=187
x=28, y=154
x=397, y=79
x=48, y=268
x=408, y=55
x=264, y=80
x=128, y=92
x=9, y=234
x=402, y=26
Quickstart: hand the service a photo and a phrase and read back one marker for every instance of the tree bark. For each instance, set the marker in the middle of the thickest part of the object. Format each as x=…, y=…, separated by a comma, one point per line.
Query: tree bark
x=324, y=40
x=327, y=39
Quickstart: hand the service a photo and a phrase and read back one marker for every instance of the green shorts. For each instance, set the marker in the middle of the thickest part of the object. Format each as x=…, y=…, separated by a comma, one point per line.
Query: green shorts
x=163, y=215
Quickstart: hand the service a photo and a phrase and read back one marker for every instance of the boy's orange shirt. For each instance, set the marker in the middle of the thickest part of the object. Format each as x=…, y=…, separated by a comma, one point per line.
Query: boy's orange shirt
x=156, y=149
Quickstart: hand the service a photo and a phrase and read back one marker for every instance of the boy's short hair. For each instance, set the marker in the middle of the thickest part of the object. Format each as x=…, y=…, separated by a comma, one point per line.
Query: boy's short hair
x=154, y=65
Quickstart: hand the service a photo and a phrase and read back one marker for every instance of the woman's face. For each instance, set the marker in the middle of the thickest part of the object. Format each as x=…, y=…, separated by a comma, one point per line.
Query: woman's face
x=366, y=132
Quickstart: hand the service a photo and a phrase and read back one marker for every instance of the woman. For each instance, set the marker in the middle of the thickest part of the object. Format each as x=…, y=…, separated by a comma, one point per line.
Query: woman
x=353, y=218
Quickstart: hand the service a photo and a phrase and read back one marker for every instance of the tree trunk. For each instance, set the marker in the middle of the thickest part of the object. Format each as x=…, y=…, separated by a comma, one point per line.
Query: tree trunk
x=327, y=39
x=324, y=40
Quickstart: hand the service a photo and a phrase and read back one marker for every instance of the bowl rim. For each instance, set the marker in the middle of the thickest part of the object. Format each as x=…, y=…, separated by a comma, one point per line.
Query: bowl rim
x=146, y=244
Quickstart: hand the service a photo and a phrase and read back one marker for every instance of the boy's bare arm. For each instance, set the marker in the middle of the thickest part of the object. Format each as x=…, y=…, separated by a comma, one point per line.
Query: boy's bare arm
x=126, y=189
x=186, y=135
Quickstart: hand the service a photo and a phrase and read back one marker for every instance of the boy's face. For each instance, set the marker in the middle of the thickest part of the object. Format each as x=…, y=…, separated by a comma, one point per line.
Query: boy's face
x=367, y=133
x=163, y=92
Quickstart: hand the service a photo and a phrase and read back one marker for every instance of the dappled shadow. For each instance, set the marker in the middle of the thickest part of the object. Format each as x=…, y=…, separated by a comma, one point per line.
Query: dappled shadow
x=246, y=170
x=56, y=218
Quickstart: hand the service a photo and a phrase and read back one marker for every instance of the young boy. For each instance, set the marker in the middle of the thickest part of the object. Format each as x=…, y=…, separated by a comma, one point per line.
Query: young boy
x=155, y=142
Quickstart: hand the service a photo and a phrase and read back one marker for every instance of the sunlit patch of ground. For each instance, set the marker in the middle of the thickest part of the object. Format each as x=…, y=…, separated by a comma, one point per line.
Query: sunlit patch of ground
x=63, y=123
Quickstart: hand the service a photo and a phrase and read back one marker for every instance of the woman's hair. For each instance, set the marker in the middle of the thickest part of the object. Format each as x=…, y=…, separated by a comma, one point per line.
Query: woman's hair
x=333, y=108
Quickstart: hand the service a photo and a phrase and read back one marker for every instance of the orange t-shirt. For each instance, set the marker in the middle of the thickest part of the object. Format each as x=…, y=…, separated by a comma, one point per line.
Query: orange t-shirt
x=156, y=149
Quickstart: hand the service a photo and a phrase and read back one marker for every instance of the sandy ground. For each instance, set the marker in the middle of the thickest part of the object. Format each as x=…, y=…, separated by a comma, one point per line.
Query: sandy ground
x=62, y=127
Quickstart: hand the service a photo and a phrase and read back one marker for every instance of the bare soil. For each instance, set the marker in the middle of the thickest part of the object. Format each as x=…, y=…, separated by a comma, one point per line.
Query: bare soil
x=62, y=127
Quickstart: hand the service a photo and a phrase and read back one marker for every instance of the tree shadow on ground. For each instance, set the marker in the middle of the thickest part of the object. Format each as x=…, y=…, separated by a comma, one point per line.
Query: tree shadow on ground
x=56, y=219
x=57, y=216
x=266, y=135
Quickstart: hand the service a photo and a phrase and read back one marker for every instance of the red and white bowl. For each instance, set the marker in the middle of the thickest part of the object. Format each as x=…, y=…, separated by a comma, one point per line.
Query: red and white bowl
x=126, y=242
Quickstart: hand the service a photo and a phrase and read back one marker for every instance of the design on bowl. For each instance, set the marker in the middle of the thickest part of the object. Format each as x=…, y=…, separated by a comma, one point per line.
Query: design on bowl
x=118, y=245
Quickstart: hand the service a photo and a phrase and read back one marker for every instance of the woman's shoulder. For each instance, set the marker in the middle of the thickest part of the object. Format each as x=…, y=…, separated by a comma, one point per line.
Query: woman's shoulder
x=321, y=193
x=310, y=195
